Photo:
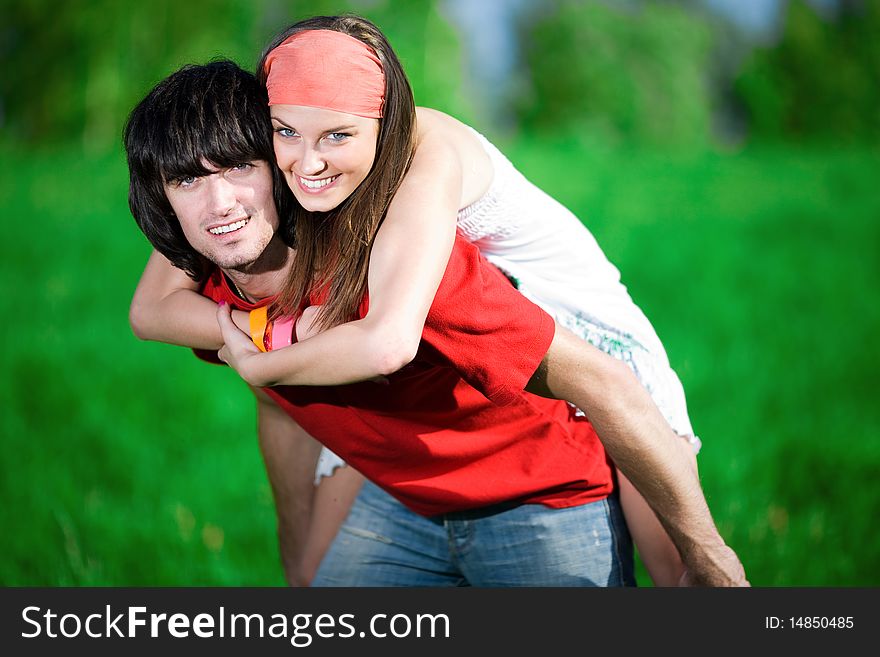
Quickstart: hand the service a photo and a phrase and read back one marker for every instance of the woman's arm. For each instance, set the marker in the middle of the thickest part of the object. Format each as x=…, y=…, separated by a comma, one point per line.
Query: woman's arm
x=407, y=263
x=167, y=307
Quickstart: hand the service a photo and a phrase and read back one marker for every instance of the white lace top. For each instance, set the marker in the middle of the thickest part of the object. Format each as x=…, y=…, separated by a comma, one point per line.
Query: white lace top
x=555, y=260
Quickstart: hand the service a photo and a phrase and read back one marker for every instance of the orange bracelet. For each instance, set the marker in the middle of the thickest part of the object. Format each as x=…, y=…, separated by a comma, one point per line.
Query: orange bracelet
x=258, y=319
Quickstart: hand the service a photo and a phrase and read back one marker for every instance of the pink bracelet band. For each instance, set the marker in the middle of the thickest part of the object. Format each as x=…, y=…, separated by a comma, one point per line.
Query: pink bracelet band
x=282, y=333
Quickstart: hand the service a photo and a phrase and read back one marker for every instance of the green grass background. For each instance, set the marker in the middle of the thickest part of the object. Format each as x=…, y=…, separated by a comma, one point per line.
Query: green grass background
x=129, y=463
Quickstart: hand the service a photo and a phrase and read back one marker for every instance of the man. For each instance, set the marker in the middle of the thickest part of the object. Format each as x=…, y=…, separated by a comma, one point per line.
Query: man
x=202, y=189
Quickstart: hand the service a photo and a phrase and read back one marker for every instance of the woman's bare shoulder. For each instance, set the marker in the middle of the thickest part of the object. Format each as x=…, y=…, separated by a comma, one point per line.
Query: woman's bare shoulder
x=442, y=135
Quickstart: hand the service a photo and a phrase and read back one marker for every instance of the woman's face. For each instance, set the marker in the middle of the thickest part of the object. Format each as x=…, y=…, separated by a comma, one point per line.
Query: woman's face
x=323, y=154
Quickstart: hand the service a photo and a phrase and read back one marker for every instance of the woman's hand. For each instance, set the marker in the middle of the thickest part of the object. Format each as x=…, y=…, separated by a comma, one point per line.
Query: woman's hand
x=238, y=351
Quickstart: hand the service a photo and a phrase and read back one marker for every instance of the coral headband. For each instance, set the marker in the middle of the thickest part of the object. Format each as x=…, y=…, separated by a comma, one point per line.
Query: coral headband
x=326, y=69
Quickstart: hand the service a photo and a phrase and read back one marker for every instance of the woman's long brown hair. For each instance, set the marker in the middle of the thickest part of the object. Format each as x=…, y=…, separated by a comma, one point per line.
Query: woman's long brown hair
x=333, y=248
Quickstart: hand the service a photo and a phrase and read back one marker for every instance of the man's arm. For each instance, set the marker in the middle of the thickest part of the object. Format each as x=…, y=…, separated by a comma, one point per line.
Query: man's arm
x=642, y=445
x=290, y=455
x=167, y=307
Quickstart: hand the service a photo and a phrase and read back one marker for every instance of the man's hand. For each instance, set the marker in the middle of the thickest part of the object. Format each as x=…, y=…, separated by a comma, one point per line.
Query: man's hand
x=720, y=567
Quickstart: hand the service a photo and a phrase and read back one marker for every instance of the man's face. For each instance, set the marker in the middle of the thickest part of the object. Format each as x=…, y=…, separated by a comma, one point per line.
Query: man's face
x=229, y=215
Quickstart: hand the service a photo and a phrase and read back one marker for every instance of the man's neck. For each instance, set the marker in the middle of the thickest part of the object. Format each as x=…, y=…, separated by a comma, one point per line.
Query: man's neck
x=264, y=277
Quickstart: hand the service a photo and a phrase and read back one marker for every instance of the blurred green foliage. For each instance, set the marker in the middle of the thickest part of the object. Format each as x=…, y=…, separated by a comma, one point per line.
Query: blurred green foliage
x=639, y=75
x=821, y=81
x=72, y=71
x=127, y=463
x=75, y=69
x=644, y=73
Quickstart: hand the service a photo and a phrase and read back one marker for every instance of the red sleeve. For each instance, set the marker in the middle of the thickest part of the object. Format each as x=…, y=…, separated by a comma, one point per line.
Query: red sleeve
x=484, y=328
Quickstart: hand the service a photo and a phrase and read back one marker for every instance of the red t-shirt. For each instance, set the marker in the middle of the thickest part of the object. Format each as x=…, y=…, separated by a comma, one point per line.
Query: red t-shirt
x=454, y=429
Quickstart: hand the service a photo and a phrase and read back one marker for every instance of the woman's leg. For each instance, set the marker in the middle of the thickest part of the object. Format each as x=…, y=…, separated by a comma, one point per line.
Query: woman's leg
x=655, y=548
x=334, y=496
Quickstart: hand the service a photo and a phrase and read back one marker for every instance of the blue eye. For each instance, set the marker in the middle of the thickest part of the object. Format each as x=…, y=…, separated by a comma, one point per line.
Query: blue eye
x=285, y=132
x=338, y=136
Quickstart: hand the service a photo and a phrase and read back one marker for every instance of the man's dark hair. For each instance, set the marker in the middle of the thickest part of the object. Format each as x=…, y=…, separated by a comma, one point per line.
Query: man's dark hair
x=215, y=112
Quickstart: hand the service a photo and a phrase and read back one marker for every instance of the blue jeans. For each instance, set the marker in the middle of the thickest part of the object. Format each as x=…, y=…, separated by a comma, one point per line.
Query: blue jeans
x=382, y=543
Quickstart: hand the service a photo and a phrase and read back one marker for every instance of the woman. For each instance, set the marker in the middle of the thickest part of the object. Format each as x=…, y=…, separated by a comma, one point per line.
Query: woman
x=349, y=140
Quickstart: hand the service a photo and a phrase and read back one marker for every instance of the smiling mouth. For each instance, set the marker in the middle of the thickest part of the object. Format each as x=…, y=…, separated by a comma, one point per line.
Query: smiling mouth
x=229, y=228
x=317, y=184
